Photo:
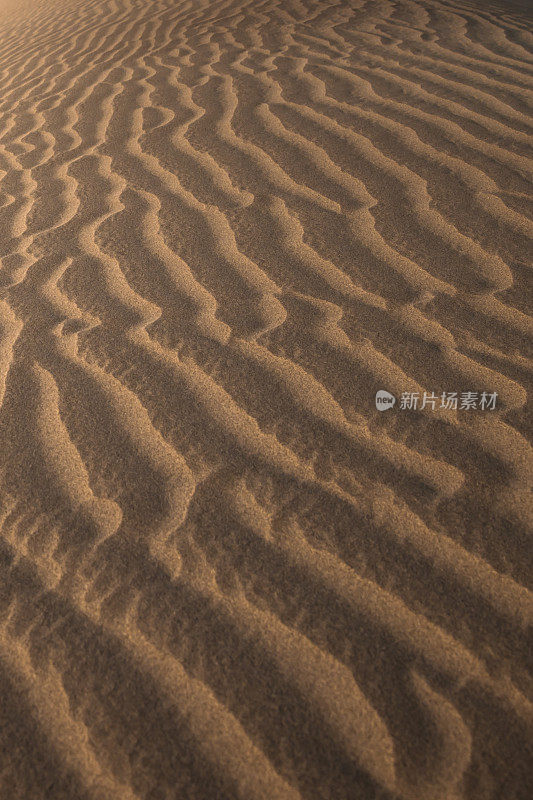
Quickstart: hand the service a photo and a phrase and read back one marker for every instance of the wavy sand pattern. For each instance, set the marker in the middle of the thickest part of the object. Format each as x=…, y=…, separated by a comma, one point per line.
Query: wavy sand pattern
x=224, y=225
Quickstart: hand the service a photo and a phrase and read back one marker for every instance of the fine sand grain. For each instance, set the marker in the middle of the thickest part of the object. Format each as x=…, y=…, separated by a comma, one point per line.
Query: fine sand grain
x=224, y=226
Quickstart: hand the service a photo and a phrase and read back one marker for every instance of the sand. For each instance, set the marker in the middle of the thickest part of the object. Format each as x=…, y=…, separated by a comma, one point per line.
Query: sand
x=225, y=574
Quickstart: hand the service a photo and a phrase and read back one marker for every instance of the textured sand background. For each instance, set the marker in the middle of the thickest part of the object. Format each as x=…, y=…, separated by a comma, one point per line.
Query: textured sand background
x=224, y=575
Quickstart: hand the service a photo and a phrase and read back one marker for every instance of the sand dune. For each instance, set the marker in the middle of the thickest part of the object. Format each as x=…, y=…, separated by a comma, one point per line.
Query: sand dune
x=224, y=226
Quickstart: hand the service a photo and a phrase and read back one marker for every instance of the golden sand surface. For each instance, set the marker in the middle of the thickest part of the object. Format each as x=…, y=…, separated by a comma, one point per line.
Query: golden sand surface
x=224, y=573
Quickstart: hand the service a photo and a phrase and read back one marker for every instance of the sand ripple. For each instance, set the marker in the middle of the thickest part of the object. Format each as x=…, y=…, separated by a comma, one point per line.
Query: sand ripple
x=223, y=227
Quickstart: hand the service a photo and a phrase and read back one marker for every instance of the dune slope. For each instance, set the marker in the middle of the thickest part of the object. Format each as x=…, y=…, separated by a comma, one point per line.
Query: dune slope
x=224, y=226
